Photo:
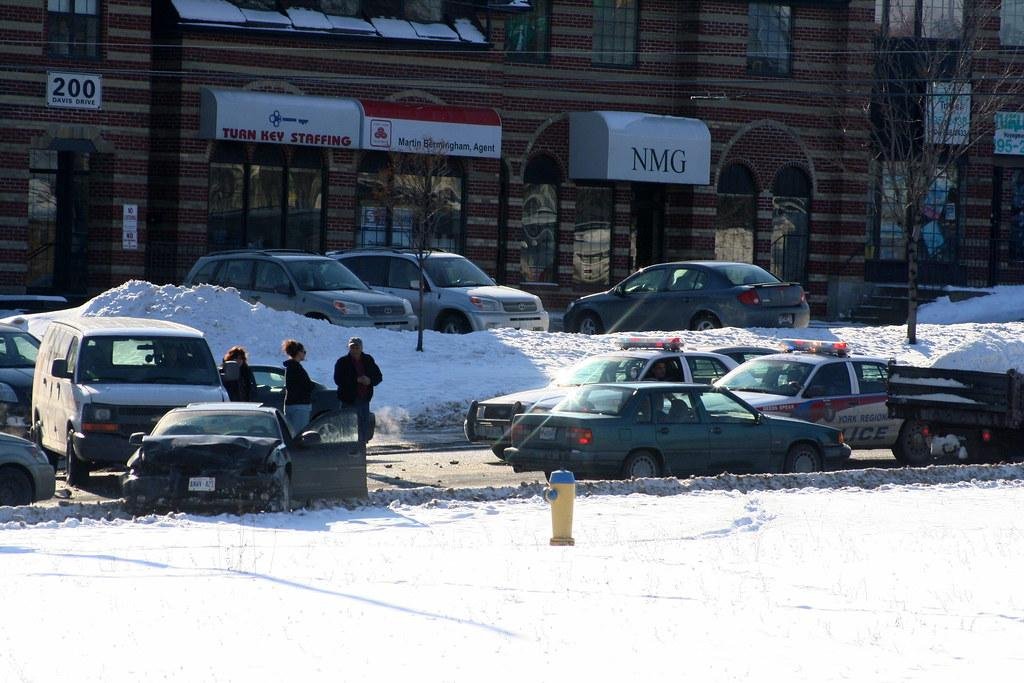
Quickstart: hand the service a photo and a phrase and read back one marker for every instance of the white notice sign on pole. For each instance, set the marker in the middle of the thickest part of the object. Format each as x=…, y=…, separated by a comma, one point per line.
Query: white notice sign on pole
x=130, y=228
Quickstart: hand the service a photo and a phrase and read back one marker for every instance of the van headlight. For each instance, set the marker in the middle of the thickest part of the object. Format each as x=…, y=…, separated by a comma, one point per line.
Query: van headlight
x=349, y=308
x=482, y=304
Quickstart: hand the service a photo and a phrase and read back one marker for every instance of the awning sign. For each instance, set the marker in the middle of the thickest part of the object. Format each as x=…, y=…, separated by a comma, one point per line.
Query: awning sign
x=615, y=145
x=274, y=118
x=431, y=129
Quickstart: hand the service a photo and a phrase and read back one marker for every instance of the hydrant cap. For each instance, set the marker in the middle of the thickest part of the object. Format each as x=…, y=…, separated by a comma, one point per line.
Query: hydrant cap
x=562, y=477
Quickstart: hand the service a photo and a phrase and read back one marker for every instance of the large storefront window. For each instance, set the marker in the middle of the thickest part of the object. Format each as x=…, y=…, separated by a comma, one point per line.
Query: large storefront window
x=540, y=221
x=615, y=28
x=938, y=217
x=386, y=212
x=791, y=200
x=1011, y=23
x=736, y=216
x=592, y=235
x=528, y=33
x=265, y=202
x=941, y=19
x=73, y=28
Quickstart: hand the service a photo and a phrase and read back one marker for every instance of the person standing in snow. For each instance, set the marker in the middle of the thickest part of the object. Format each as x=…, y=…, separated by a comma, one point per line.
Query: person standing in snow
x=356, y=374
x=243, y=387
x=298, y=387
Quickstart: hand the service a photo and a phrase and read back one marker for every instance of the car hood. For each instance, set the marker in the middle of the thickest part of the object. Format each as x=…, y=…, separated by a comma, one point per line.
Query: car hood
x=366, y=297
x=528, y=398
x=499, y=292
x=205, y=453
x=172, y=395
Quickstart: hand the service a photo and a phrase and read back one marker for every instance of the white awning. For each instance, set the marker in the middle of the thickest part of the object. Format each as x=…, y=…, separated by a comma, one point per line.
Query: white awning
x=622, y=145
x=276, y=118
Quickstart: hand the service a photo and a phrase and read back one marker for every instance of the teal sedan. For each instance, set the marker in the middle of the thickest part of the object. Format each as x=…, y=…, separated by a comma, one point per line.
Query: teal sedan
x=653, y=429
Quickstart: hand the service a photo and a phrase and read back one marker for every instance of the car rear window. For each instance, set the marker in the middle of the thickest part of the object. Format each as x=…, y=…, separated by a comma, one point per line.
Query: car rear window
x=747, y=274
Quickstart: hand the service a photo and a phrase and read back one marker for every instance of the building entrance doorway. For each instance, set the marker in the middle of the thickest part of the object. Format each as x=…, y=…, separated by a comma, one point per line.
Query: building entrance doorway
x=647, y=232
x=58, y=226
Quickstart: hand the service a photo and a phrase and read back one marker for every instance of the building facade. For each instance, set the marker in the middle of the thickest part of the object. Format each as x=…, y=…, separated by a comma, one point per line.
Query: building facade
x=584, y=139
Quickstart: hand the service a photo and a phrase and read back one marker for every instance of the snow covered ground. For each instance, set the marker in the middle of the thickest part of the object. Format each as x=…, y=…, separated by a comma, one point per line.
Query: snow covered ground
x=879, y=575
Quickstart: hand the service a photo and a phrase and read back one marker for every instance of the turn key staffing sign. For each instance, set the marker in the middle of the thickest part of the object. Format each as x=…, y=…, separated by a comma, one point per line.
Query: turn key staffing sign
x=431, y=129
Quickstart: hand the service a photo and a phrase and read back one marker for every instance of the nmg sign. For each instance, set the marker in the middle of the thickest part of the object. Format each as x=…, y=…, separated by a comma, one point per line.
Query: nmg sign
x=651, y=160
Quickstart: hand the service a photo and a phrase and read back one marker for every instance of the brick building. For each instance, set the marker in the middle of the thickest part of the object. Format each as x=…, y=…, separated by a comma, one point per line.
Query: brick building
x=587, y=138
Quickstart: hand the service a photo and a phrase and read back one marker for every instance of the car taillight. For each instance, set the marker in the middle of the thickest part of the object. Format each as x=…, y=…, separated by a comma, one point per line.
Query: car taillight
x=986, y=435
x=749, y=297
x=580, y=435
x=925, y=432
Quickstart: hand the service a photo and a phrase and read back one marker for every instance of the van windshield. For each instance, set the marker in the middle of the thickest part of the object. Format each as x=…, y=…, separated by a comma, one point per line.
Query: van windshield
x=150, y=360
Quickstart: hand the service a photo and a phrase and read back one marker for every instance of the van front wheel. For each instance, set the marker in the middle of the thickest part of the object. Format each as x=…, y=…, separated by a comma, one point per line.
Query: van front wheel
x=77, y=470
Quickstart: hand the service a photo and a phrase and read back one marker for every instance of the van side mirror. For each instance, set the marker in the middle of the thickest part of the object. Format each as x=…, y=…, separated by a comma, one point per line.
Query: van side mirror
x=136, y=438
x=230, y=371
x=59, y=367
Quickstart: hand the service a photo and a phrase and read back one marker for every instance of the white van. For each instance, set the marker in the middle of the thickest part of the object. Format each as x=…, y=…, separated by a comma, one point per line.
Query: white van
x=97, y=380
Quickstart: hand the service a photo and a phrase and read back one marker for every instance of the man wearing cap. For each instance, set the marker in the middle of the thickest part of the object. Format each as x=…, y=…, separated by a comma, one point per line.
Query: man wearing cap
x=356, y=374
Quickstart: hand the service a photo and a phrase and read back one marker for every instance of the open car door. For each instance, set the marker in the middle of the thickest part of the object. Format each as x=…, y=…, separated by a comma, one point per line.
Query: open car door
x=331, y=464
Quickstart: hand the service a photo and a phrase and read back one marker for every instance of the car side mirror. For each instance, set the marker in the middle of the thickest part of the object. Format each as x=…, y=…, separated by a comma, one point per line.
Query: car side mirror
x=310, y=438
x=414, y=285
x=230, y=371
x=618, y=290
x=136, y=438
x=59, y=367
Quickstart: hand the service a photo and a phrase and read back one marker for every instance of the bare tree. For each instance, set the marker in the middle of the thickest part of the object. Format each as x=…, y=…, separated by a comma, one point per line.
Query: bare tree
x=940, y=80
x=419, y=192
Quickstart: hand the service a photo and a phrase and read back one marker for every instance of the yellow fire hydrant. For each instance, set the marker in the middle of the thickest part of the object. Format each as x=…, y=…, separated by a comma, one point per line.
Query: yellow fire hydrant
x=561, y=493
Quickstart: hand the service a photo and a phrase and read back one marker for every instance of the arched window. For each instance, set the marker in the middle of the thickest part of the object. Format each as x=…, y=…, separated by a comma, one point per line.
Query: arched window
x=541, y=181
x=791, y=210
x=419, y=187
x=265, y=202
x=736, y=217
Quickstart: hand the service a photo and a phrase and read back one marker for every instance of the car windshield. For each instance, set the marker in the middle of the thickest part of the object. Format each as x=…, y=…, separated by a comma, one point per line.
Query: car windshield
x=602, y=369
x=776, y=376
x=145, y=360
x=323, y=275
x=217, y=423
x=596, y=399
x=18, y=350
x=747, y=274
x=456, y=272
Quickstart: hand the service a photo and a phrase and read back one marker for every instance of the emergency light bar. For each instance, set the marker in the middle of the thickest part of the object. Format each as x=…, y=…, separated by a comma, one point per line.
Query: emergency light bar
x=666, y=343
x=825, y=348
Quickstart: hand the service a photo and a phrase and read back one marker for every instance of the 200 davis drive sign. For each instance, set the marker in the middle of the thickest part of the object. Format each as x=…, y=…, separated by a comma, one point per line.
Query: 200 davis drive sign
x=73, y=91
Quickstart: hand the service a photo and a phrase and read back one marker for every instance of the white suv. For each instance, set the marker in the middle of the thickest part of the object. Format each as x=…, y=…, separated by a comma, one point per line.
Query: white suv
x=459, y=297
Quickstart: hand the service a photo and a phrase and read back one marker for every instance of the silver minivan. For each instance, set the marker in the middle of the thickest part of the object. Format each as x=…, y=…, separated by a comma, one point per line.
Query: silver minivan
x=308, y=284
x=458, y=296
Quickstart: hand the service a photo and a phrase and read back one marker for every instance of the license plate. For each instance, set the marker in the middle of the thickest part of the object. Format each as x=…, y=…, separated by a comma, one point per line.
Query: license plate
x=547, y=433
x=201, y=483
x=786, y=319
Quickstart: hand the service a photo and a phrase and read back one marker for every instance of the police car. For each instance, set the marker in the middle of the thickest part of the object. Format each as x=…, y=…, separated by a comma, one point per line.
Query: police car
x=490, y=421
x=821, y=382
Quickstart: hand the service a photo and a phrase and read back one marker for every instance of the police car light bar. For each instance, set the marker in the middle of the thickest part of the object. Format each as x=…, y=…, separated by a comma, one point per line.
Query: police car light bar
x=666, y=343
x=825, y=348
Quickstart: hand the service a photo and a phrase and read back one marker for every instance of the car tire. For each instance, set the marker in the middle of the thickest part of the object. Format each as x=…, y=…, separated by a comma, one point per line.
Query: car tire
x=499, y=450
x=641, y=465
x=704, y=321
x=589, y=323
x=15, y=487
x=77, y=470
x=453, y=323
x=911, y=448
x=803, y=458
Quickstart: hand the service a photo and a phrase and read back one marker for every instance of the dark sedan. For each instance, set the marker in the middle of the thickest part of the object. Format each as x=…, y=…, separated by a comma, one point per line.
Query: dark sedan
x=18, y=351
x=242, y=456
x=695, y=295
x=653, y=429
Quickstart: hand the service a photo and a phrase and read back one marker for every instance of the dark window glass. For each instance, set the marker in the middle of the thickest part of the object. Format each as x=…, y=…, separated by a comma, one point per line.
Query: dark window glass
x=73, y=28
x=939, y=216
x=1011, y=23
x=236, y=273
x=403, y=274
x=791, y=199
x=305, y=200
x=706, y=370
x=271, y=277
x=540, y=221
x=373, y=270
x=266, y=194
x=736, y=215
x=592, y=235
x=872, y=377
x=527, y=34
x=42, y=218
x=832, y=379
x=1017, y=214
x=768, y=39
x=205, y=274
x=225, y=219
x=615, y=29
x=928, y=18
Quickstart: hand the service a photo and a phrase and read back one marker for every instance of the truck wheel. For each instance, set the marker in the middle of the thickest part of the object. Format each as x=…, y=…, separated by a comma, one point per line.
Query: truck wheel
x=589, y=324
x=77, y=470
x=641, y=465
x=15, y=487
x=803, y=457
x=499, y=450
x=453, y=323
x=911, y=448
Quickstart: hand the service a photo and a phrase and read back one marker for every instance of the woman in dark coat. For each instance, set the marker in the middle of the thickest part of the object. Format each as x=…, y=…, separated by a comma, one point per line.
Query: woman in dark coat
x=298, y=387
x=244, y=387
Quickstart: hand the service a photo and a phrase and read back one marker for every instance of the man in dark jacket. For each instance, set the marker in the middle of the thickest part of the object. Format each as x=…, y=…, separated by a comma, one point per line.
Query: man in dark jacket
x=356, y=374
